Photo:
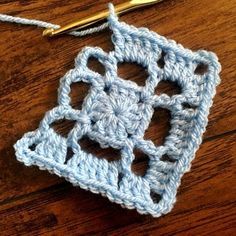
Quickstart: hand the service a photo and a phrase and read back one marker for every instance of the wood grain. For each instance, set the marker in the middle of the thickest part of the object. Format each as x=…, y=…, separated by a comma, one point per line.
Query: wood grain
x=33, y=201
x=204, y=199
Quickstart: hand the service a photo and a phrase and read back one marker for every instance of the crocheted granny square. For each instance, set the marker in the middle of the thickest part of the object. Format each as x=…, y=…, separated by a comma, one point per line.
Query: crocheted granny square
x=116, y=113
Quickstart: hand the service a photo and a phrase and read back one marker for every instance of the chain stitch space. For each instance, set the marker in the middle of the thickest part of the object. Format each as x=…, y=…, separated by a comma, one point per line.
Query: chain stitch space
x=117, y=112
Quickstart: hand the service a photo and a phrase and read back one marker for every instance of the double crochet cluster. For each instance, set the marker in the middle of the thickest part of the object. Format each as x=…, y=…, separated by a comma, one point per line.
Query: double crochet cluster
x=116, y=113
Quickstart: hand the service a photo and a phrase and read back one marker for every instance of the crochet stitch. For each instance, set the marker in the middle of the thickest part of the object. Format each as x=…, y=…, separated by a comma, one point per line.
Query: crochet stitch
x=116, y=113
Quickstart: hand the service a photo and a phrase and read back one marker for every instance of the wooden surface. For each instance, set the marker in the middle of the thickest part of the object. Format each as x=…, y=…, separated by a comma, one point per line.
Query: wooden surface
x=34, y=202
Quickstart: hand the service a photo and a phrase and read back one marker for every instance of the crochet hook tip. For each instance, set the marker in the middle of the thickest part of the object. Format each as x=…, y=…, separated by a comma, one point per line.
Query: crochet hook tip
x=48, y=32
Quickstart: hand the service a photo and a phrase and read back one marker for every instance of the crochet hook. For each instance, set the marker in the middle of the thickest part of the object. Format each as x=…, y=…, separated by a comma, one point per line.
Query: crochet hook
x=93, y=19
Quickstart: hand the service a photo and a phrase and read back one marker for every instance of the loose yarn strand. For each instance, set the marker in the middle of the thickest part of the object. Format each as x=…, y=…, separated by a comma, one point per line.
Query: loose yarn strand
x=43, y=24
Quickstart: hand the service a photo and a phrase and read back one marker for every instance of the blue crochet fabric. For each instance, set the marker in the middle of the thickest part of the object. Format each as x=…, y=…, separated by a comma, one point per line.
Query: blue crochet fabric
x=116, y=113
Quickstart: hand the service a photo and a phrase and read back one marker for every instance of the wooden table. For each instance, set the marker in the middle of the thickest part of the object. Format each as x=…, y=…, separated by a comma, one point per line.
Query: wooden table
x=35, y=202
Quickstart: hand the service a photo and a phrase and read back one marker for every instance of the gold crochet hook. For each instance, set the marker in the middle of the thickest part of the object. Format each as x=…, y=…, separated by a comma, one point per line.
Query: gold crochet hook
x=93, y=19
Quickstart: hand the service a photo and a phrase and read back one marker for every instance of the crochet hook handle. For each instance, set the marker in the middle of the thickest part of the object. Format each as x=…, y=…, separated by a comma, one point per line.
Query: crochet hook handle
x=91, y=20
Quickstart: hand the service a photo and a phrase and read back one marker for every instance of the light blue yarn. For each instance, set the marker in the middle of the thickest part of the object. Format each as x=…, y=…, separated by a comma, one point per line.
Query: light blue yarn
x=119, y=118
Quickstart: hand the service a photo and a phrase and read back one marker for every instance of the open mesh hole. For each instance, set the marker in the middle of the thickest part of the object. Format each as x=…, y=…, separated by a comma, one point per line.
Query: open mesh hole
x=161, y=60
x=107, y=89
x=119, y=178
x=140, y=163
x=63, y=127
x=78, y=92
x=133, y=71
x=168, y=87
x=189, y=106
x=32, y=147
x=156, y=198
x=201, y=69
x=92, y=147
x=159, y=126
x=69, y=154
x=95, y=65
x=93, y=122
x=167, y=158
